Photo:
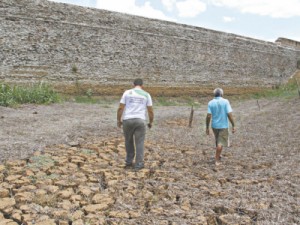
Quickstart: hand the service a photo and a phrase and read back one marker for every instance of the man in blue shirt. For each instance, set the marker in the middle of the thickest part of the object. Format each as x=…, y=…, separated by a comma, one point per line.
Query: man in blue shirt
x=219, y=111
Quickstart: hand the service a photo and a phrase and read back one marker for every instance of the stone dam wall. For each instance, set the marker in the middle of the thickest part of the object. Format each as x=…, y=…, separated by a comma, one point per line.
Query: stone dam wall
x=70, y=45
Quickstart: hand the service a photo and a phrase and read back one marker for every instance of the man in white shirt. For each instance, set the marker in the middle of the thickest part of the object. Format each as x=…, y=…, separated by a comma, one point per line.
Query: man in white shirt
x=134, y=105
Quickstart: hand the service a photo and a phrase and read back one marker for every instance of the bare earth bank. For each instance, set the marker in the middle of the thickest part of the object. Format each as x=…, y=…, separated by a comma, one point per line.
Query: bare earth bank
x=258, y=183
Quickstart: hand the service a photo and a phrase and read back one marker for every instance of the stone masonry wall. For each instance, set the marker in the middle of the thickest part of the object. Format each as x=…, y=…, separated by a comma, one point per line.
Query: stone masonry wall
x=64, y=44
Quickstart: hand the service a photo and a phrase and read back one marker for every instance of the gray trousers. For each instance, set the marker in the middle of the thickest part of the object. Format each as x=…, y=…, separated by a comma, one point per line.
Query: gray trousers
x=134, y=133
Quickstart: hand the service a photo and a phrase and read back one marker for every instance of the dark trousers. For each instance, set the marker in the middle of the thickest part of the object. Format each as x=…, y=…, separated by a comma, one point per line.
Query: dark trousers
x=134, y=133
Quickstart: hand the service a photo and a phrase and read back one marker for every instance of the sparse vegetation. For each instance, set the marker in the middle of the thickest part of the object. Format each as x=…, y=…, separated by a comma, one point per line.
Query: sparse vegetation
x=42, y=93
x=176, y=101
x=41, y=161
x=287, y=90
x=101, y=100
x=74, y=69
x=49, y=200
x=89, y=93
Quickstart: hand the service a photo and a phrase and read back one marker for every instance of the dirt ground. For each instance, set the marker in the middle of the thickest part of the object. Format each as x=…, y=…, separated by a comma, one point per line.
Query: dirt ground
x=258, y=182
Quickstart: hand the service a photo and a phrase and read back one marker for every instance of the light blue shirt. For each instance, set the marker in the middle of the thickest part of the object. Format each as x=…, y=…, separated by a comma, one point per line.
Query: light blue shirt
x=219, y=109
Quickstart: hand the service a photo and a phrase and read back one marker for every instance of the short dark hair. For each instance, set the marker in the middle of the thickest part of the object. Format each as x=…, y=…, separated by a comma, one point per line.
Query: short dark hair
x=138, y=82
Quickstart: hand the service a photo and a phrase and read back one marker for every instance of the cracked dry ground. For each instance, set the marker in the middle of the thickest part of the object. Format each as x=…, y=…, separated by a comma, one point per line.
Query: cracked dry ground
x=258, y=182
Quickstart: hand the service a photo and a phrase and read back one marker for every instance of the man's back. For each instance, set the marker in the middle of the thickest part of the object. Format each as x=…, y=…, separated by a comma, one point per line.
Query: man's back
x=136, y=101
x=219, y=108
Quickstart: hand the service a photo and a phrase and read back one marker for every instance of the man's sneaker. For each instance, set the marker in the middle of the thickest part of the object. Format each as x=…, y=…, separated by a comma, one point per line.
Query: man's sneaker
x=137, y=168
x=128, y=166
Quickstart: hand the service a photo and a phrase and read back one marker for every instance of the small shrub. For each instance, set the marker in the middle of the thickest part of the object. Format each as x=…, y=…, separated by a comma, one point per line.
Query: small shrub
x=89, y=93
x=74, y=69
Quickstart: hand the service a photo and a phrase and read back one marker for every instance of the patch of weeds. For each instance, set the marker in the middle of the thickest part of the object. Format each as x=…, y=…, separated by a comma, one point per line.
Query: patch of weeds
x=86, y=100
x=34, y=179
x=87, y=152
x=163, y=101
x=190, y=101
x=37, y=93
x=51, y=177
x=41, y=161
x=176, y=101
x=106, y=101
x=288, y=90
x=89, y=93
x=74, y=69
x=46, y=200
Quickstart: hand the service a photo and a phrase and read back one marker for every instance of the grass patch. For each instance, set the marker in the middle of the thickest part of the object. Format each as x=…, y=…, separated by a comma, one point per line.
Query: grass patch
x=176, y=101
x=87, y=152
x=288, y=90
x=49, y=200
x=86, y=99
x=41, y=161
x=36, y=93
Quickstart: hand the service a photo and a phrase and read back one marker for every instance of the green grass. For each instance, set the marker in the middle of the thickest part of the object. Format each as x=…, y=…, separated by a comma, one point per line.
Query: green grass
x=288, y=91
x=176, y=101
x=101, y=100
x=41, y=161
x=42, y=93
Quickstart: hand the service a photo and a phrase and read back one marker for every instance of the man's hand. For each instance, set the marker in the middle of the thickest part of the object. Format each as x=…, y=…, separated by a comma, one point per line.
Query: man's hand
x=207, y=131
x=208, y=118
x=233, y=130
x=119, y=114
x=230, y=117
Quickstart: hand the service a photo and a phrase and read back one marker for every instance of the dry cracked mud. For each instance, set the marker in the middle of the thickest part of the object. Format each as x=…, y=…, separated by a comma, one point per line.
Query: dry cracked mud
x=63, y=164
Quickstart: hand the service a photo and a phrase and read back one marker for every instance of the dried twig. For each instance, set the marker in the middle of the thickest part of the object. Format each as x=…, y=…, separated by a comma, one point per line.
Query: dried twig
x=191, y=116
x=258, y=104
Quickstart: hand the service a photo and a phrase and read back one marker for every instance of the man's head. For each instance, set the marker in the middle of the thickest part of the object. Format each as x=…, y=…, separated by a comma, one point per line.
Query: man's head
x=138, y=82
x=218, y=92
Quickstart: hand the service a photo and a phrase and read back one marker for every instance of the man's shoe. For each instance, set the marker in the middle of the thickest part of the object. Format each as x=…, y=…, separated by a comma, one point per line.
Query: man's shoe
x=137, y=168
x=128, y=166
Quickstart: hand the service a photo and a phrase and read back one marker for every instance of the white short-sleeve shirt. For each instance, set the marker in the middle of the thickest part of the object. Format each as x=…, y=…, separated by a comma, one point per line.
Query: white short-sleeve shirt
x=136, y=101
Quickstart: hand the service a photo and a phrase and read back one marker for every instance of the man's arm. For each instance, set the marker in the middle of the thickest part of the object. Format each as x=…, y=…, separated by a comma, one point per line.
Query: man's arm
x=208, y=118
x=151, y=115
x=230, y=117
x=119, y=114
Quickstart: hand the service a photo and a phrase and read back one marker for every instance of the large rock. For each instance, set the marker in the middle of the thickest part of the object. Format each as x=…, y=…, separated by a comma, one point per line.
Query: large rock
x=6, y=203
x=12, y=178
x=2, y=168
x=102, y=199
x=95, y=208
x=7, y=222
x=46, y=222
x=4, y=193
x=119, y=214
x=24, y=197
x=66, y=194
x=234, y=219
